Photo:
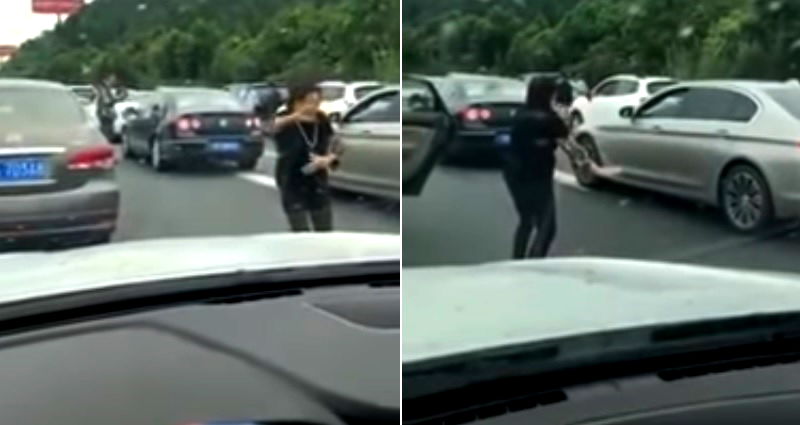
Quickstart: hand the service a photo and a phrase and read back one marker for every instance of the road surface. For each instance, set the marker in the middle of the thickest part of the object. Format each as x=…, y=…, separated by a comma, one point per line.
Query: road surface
x=465, y=216
x=206, y=202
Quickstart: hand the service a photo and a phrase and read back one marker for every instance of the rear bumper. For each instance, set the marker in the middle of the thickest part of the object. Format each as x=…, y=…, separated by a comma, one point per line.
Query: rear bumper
x=92, y=208
x=476, y=144
x=200, y=149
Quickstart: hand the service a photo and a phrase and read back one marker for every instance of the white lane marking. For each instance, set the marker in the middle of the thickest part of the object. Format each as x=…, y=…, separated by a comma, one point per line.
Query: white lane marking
x=260, y=178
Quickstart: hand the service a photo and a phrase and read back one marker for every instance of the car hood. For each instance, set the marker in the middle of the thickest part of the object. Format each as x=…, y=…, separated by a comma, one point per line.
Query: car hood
x=33, y=275
x=457, y=310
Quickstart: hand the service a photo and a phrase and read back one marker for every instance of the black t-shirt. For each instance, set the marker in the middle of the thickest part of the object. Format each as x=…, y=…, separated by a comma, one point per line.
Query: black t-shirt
x=295, y=143
x=534, y=139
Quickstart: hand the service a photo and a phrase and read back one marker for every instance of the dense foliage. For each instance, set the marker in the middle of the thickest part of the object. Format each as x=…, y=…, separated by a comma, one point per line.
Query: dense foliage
x=596, y=38
x=151, y=42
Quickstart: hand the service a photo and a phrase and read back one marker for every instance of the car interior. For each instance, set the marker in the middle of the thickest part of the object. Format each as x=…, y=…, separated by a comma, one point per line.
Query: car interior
x=324, y=355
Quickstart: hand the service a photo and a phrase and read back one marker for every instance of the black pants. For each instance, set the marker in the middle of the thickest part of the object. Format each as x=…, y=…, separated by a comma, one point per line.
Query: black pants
x=536, y=207
x=308, y=208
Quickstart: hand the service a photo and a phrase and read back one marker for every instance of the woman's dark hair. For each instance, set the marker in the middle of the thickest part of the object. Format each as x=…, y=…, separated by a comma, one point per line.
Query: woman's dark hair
x=300, y=91
x=540, y=94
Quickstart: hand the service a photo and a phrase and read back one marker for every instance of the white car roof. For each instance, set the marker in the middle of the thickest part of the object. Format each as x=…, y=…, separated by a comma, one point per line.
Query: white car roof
x=455, y=310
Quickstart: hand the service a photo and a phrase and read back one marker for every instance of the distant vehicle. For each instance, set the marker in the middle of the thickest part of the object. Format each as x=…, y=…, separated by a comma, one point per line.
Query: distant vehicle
x=602, y=103
x=56, y=169
x=482, y=109
x=125, y=111
x=730, y=144
x=252, y=95
x=179, y=125
x=339, y=96
x=370, y=134
x=664, y=344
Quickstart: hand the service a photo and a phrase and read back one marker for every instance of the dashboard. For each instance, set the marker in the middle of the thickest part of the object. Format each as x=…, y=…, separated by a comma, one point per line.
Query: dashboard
x=323, y=356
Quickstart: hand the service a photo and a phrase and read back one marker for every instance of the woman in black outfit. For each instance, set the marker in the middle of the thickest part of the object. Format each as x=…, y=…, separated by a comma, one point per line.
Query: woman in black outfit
x=306, y=154
x=530, y=167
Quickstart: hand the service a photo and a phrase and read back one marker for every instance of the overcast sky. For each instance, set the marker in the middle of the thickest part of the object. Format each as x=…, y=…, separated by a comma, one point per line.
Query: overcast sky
x=18, y=23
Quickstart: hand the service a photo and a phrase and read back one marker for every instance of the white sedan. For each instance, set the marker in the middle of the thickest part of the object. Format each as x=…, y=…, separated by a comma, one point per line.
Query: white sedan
x=604, y=101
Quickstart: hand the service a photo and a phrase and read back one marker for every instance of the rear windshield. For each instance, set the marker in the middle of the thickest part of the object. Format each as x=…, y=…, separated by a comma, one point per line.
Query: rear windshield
x=332, y=92
x=23, y=109
x=788, y=98
x=220, y=102
x=655, y=87
x=457, y=91
x=365, y=90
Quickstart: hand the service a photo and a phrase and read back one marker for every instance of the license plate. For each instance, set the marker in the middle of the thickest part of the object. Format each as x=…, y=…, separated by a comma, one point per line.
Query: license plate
x=226, y=146
x=502, y=139
x=22, y=169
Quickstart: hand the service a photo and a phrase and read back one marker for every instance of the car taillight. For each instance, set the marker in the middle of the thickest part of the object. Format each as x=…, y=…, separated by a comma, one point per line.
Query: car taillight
x=254, y=122
x=183, y=124
x=93, y=158
x=476, y=114
x=196, y=124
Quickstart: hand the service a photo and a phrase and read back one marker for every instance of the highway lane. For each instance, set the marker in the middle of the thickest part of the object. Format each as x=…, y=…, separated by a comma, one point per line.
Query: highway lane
x=465, y=216
x=203, y=201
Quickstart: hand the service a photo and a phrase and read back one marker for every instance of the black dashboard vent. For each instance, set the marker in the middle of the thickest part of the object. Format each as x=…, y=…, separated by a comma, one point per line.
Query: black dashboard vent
x=489, y=410
x=726, y=366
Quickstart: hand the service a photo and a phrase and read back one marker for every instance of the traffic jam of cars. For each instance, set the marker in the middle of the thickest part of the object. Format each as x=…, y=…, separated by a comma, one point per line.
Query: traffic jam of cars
x=58, y=180
x=729, y=144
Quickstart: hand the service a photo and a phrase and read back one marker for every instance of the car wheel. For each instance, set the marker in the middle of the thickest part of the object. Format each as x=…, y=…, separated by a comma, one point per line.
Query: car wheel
x=745, y=198
x=248, y=164
x=583, y=169
x=156, y=160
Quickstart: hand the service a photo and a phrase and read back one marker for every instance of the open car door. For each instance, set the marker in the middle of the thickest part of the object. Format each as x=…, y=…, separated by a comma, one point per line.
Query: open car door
x=427, y=130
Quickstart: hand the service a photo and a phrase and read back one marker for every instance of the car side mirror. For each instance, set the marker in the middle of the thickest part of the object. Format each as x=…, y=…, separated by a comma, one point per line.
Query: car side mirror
x=336, y=118
x=626, y=112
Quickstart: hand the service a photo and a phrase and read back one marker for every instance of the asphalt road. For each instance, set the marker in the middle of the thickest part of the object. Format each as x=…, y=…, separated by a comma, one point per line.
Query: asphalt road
x=465, y=216
x=206, y=201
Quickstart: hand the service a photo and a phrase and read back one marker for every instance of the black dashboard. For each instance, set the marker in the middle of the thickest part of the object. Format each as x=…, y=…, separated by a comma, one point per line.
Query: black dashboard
x=324, y=355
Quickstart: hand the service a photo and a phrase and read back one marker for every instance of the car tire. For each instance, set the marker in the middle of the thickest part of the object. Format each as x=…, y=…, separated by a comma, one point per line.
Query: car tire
x=156, y=161
x=745, y=198
x=248, y=164
x=583, y=172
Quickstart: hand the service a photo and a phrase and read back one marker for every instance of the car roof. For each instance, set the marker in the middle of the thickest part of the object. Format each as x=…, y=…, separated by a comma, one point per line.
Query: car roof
x=645, y=78
x=29, y=83
x=743, y=84
x=449, y=311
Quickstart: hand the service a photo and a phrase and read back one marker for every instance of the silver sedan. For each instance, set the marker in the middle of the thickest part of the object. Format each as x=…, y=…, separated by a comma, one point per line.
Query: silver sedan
x=731, y=144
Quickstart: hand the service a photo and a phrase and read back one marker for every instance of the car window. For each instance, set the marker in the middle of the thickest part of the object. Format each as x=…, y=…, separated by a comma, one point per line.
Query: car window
x=626, y=87
x=25, y=109
x=667, y=105
x=417, y=97
x=383, y=108
x=330, y=92
x=653, y=88
x=718, y=104
x=607, y=89
x=207, y=100
x=788, y=98
x=362, y=91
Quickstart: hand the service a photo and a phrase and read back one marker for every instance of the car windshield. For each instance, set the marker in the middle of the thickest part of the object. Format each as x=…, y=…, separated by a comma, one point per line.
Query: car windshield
x=365, y=90
x=25, y=109
x=653, y=88
x=208, y=100
x=332, y=92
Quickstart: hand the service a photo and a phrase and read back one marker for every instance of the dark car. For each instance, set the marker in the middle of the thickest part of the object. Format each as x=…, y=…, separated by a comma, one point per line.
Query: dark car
x=483, y=109
x=182, y=125
x=56, y=170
